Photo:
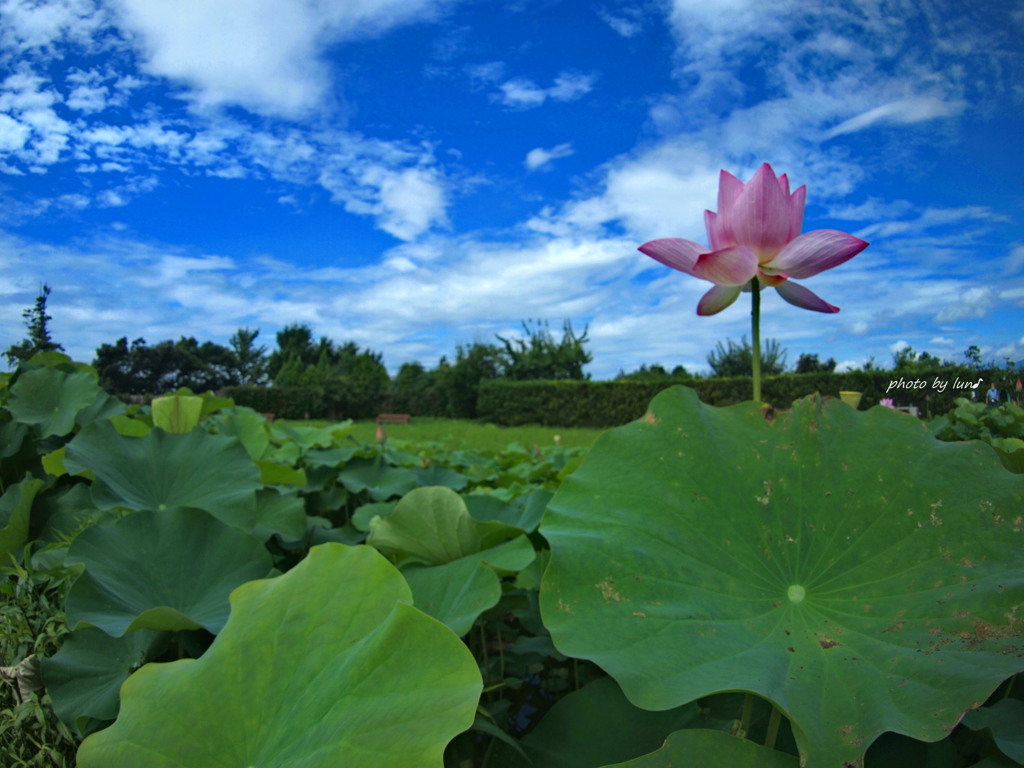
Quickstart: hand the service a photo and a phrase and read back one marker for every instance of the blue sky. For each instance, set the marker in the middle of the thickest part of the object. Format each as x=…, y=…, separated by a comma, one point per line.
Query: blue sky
x=416, y=174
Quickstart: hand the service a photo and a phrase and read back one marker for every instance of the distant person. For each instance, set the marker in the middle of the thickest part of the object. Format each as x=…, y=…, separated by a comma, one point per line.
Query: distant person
x=992, y=396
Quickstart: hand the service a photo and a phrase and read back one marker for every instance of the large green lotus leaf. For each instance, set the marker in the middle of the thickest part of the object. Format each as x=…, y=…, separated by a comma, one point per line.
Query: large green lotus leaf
x=83, y=678
x=103, y=407
x=278, y=513
x=177, y=414
x=15, y=513
x=63, y=513
x=326, y=666
x=167, y=570
x=435, y=474
x=383, y=482
x=248, y=426
x=433, y=526
x=52, y=399
x=524, y=512
x=701, y=748
x=129, y=427
x=311, y=437
x=364, y=515
x=594, y=726
x=162, y=470
x=1011, y=453
x=272, y=473
x=456, y=593
x=845, y=565
x=331, y=457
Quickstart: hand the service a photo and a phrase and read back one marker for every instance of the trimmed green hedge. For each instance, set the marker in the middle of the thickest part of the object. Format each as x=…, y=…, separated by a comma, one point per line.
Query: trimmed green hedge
x=612, y=403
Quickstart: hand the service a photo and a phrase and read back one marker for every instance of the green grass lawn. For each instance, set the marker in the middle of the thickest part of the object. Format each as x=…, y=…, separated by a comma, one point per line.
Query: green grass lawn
x=457, y=434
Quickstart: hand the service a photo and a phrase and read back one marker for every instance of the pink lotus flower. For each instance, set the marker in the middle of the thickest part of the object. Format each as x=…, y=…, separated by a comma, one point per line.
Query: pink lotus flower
x=887, y=402
x=756, y=232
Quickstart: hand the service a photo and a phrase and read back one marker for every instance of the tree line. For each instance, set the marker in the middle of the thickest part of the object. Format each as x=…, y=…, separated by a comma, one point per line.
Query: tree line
x=357, y=376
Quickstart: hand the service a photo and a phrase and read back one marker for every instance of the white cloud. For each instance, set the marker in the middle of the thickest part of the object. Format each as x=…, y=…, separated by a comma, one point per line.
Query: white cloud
x=27, y=101
x=973, y=302
x=411, y=201
x=539, y=157
x=38, y=25
x=520, y=93
x=405, y=202
x=627, y=22
x=1014, y=263
x=265, y=55
x=901, y=112
x=13, y=134
x=660, y=192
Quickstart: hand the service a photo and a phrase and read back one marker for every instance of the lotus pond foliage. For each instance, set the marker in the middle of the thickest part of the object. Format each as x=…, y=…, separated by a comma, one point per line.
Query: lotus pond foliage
x=188, y=584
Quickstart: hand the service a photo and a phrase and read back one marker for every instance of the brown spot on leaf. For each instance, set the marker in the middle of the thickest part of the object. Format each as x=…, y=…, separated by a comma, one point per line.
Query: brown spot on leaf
x=608, y=591
x=641, y=614
x=828, y=642
x=650, y=418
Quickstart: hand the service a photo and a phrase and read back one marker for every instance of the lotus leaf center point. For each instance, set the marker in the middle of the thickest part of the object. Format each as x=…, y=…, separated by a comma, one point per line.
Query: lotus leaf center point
x=795, y=593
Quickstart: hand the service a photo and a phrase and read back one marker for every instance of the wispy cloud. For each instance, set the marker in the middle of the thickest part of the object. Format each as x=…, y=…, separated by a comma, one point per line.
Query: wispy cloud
x=901, y=112
x=520, y=93
x=626, y=21
x=541, y=158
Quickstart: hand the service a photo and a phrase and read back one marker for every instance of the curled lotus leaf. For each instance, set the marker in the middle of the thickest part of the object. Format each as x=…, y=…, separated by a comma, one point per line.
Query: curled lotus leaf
x=326, y=665
x=168, y=570
x=52, y=399
x=433, y=526
x=83, y=678
x=160, y=470
x=456, y=593
x=177, y=414
x=15, y=514
x=845, y=565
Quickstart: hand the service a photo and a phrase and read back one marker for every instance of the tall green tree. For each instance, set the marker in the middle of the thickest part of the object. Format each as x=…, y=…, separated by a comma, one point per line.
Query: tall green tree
x=808, y=363
x=137, y=369
x=907, y=359
x=37, y=322
x=473, y=363
x=539, y=356
x=293, y=340
x=973, y=356
x=250, y=363
x=737, y=359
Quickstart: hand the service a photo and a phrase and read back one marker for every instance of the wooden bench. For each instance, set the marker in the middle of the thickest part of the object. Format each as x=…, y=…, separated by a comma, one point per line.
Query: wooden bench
x=393, y=418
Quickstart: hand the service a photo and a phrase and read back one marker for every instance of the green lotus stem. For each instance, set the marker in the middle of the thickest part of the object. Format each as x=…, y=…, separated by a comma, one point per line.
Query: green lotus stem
x=755, y=321
x=748, y=709
x=501, y=653
x=773, y=728
x=483, y=648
